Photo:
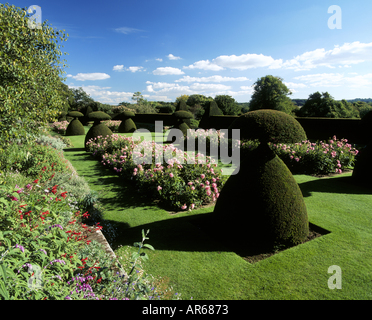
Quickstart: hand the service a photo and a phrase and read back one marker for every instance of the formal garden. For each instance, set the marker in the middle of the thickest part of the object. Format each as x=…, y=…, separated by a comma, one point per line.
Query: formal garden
x=182, y=229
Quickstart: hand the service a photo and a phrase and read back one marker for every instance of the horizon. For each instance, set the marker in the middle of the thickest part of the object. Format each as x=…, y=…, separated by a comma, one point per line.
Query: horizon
x=165, y=49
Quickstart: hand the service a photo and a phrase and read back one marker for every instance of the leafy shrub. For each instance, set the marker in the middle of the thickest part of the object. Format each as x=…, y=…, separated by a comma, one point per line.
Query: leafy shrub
x=269, y=126
x=75, y=128
x=113, y=125
x=60, y=127
x=55, y=143
x=127, y=125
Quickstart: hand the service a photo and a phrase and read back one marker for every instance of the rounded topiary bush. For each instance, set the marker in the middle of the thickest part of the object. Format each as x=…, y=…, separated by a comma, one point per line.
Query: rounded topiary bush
x=211, y=109
x=181, y=105
x=362, y=173
x=262, y=205
x=269, y=126
x=98, y=129
x=127, y=125
x=181, y=117
x=75, y=127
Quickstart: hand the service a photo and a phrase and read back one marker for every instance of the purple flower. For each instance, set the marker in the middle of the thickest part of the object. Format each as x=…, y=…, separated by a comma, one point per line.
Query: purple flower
x=20, y=247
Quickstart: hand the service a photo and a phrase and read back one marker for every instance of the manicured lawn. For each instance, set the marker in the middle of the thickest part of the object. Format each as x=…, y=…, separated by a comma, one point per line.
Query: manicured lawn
x=201, y=265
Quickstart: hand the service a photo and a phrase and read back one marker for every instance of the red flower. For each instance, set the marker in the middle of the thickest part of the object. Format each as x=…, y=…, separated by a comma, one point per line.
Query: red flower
x=36, y=181
x=85, y=215
x=99, y=280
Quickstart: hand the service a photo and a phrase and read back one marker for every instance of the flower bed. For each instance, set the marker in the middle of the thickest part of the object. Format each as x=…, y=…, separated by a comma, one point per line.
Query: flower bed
x=44, y=251
x=60, y=127
x=185, y=182
x=319, y=158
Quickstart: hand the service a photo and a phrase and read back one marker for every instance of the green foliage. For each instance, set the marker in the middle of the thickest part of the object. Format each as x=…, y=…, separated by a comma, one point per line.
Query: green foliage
x=30, y=80
x=75, y=114
x=182, y=115
x=127, y=125
x=266, y=202
x=56, y=143
x=269, y=126
x=227, y=105
x=75, y=128
x=181, y=105
x=97, y=130
x=323, y=105
x=271, y=93
x=211, y=109
x=363, y=108
x=98, y=116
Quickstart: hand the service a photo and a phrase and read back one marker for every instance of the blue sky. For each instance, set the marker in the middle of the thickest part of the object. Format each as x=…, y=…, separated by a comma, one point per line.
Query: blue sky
x=165, y=48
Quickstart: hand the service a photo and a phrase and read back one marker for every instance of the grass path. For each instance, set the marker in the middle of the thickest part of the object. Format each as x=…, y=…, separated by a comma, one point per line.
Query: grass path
x=201, y=266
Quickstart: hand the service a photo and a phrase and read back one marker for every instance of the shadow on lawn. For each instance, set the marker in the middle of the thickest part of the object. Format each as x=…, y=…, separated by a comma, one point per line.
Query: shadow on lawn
x=196, y=233
x=343, y=185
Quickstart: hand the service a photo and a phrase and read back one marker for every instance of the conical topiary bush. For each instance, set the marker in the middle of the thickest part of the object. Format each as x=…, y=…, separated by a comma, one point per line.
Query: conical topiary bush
x=211, y=109
x=262, y=205
x=98, y=128
x=75, y=127
x=127, y=125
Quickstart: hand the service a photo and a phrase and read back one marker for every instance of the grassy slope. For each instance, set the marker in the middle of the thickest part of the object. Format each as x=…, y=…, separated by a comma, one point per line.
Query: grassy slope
x=200, y=266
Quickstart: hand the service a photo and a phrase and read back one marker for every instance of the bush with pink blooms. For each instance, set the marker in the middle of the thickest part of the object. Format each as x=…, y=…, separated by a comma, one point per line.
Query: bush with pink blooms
x=182, y=181
x=332, y=156
x=60, y=127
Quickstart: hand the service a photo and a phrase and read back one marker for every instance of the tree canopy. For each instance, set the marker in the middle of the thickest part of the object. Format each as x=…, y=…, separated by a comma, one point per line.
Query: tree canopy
x=271, y=93
x=324, y=106
x=227, y=104
x=30, y=85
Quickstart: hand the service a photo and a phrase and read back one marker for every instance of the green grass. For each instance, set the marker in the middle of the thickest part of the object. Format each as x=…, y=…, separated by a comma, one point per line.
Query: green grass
x=201, y=265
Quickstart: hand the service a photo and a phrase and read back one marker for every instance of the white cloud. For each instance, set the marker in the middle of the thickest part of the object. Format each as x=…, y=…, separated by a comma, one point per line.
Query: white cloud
x=159, y=59
x=204, y=65
x=89, y=76
x=245, y=61
x=209, y=87
x=336, y=80
x=345, y=55
x=131, y=69
x=167, y=71
x=172, y=57
x=135, y=69
x=210, y=79
x=127, y=30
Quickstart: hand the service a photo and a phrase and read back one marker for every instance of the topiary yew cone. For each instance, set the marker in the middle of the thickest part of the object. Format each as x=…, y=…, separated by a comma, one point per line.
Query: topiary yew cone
x=98, y=129
x=75, y=127
x=127, y=125
x=262, y=205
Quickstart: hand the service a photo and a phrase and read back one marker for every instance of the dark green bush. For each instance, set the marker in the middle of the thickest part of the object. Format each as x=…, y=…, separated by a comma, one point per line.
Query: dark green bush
x=181, y=105
x=98, y=129
x=75, y=128
x=269, y=126
x=98, y=116
x=182, y=115
x=75, y=114
x=211, y=109
x=262, y=205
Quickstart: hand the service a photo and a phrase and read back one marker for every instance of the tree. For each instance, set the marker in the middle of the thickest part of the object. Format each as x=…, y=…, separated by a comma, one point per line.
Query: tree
x=324, y=106
x=271, y=93
x=362, y=107
x=138, y=97
x=81, y=98
x=29, y=76
x=184, y=97
x=227, y=104
x=197, y=103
